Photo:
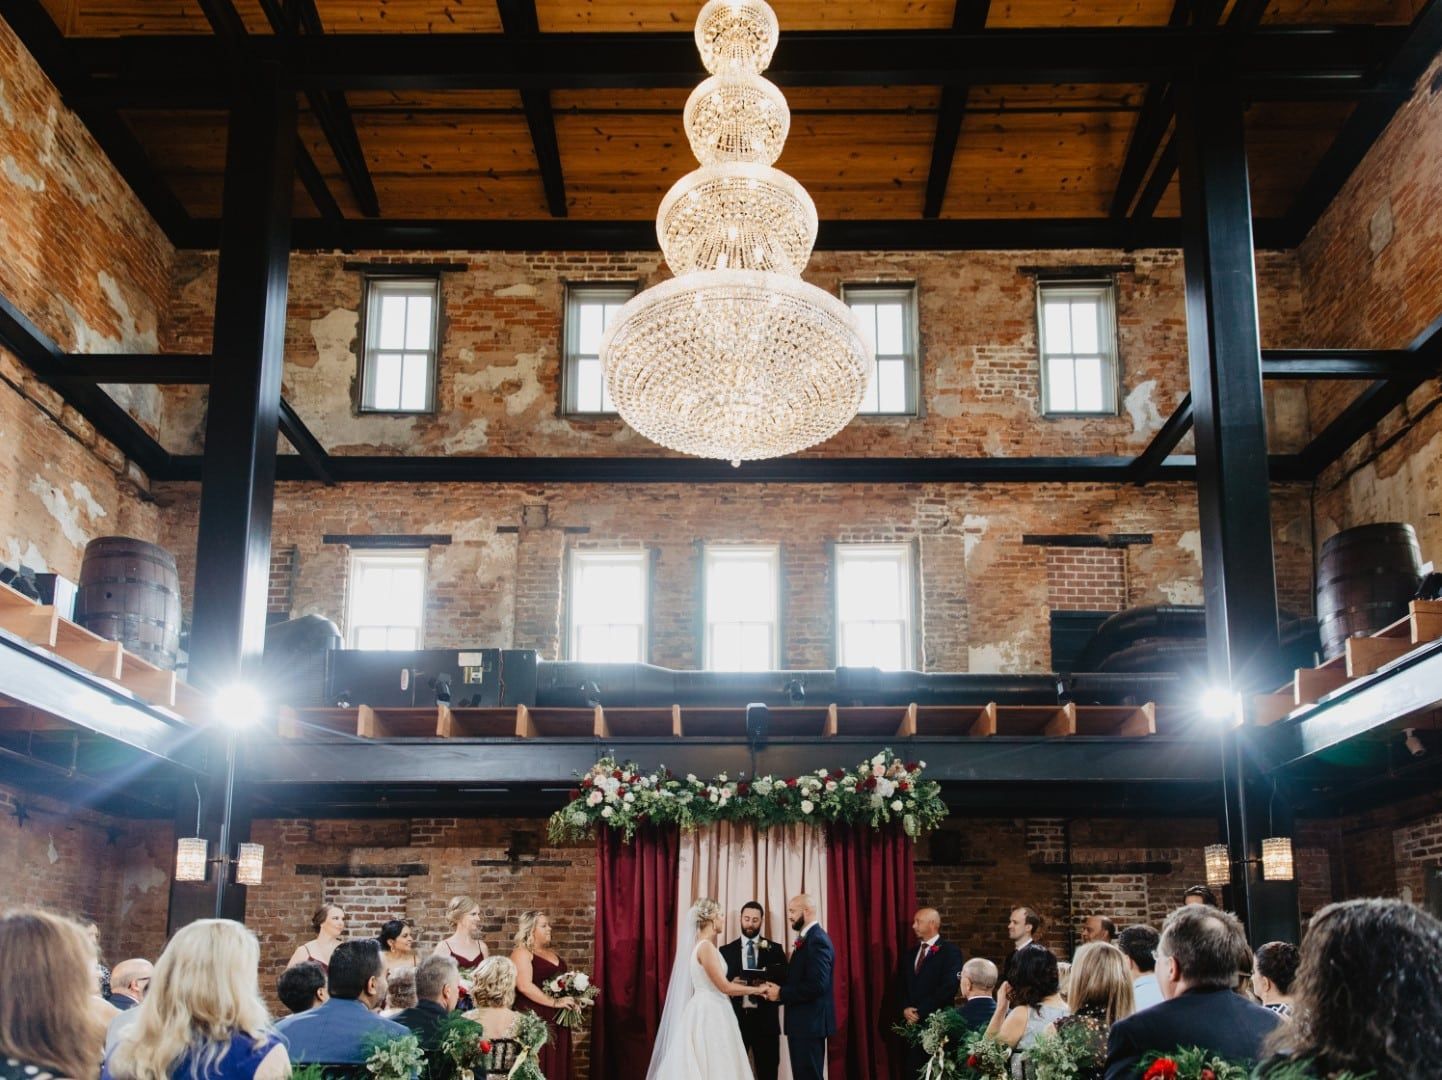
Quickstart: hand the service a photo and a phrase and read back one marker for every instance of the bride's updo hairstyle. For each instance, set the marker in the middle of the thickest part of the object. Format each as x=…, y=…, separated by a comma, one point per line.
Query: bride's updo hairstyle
x=706, y=910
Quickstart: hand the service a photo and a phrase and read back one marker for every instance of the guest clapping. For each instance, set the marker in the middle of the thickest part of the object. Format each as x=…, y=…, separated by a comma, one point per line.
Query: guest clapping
x=328, y=922
x=1368, y=995
x=1028, y=1002
x=47, y=970
x=1273, y=970
x=536, y=962
x=927, y=981
x=398, y=945
x=203, y=1014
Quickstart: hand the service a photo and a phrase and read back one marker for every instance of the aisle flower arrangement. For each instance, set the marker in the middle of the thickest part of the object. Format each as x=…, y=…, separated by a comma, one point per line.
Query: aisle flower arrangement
x=955, y=1050
x=395, y=1059
x=472, y=1056
x=1193, y=1063
x=1077, y=1049
x=879, y=791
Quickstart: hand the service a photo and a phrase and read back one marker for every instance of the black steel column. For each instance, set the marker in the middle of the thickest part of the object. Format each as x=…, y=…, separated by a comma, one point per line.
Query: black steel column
x=1233, y=496
x=238, y=479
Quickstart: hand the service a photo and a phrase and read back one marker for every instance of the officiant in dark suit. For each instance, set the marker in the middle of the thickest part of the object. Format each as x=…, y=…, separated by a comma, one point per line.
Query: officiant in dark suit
x=927, y=979
x=810, y=1007
x=761, y=958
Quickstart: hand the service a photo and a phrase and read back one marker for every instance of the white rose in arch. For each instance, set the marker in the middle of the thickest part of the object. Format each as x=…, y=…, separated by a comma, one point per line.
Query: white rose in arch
x=807, y=806
x=896, y=806
x=607, y=812
x=879, y=759
x=831, y=785
x=629, y=798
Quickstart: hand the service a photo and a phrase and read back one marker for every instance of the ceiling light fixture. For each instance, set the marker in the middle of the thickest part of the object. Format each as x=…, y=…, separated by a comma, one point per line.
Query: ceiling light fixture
x=736, y=357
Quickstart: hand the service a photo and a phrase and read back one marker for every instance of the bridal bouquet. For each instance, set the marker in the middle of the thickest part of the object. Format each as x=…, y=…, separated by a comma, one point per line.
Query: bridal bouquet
x=572, y=984
x=879, y=791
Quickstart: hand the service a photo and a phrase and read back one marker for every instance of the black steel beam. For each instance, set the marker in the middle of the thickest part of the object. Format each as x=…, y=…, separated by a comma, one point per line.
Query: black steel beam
x=146, y=369
x=238, y=479
x=967, y=16
x=1281, y=63
x=316, y=187
x=1343, y=364
x=1409, y=61
x=1149, y=461
x=1157, y=183
x=1151, y=125
x=306, y=444
x=549, y=234
x=518, y=18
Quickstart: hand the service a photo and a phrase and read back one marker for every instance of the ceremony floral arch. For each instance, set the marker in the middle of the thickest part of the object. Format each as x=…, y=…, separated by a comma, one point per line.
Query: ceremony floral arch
x=653, y=830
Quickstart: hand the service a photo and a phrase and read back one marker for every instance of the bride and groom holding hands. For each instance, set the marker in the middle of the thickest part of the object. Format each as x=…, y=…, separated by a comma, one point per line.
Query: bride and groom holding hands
x=723, y=999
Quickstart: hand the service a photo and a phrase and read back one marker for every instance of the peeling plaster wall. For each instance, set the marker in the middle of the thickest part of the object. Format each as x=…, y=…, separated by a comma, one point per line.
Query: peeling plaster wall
x=984, y=594
x=1372, y=276
x=80, y=257
x=500, y=369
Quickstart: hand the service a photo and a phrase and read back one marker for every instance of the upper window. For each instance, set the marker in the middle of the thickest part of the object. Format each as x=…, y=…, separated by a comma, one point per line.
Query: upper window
x=742, y=605
x=887, y=314
x=873, y=605
x=589, y=311
x=401, y=320
x=1078, y=347
x=608, y=606
x=387, y=599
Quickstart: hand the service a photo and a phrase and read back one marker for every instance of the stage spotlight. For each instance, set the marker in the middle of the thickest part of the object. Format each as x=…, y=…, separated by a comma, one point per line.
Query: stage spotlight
x=238, y=705
x=1414, y=745
x=1220, y=704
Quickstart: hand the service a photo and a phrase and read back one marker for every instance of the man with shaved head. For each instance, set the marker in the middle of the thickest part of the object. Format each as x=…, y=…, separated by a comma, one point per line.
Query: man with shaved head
x=810, y=1010
x=927, y=979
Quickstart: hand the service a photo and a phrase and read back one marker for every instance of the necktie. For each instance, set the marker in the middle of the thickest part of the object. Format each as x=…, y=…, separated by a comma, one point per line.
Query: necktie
x=750, y=953
x=920, y=956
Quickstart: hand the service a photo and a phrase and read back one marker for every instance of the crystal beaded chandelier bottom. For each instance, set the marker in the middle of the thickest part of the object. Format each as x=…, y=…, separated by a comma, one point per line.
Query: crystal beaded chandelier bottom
x=737, y=365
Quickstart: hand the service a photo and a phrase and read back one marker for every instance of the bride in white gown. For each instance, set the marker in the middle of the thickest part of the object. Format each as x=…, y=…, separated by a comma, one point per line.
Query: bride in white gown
x=699, y=1038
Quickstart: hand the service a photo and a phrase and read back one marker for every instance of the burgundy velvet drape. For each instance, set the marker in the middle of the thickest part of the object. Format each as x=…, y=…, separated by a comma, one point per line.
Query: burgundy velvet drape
x=635, y=946
x=870, y=900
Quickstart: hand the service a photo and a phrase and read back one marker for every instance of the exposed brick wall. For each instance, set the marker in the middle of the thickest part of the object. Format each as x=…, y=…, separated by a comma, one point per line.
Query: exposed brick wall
x=279, y=597
x=1372, y=278
x=985, y=594
x=1086, y=579
x=410, y=868
x=86, y=864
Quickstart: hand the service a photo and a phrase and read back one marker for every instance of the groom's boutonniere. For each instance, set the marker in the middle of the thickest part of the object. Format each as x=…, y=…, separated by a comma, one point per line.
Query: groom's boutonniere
x=763, y=944
x=798, y=943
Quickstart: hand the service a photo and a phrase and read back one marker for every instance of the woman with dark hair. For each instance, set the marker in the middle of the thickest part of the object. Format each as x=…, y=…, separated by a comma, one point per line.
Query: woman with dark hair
x=398, y=944
x=329, y=925
x=1028, y=1003
x=1274, y=969
x=1368, y=995
x=1200, y=894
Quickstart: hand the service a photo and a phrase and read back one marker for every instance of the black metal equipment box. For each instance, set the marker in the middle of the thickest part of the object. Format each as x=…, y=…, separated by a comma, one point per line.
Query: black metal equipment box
x=423, y=677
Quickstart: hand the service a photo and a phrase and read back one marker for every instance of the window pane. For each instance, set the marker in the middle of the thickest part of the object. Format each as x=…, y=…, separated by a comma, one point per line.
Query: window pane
x=870, y=589
x=418, y=322
x=1057, y=315
x=589, y=385
x=609, y=592
x=413, y=382
x=393, y=322
x=373, y=587
x=1084, y=316
x=891, y=380
x=740, y=589
x=890, y=337
x=726, y=647
x=870, y=399
x=370, y=637
x=589, y=329
x=386, y=384
x=400, y=637
x=1061, y=390
x=866, y=317
x=607, y=405
x=404, y=602
x=1090, y=393
x=608, y=644
x=873, y=644
x=611, y=310
x=755, y=647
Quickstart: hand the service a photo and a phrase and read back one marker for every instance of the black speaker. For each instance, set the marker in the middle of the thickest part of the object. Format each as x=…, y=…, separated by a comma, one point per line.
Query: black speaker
x=758, y=724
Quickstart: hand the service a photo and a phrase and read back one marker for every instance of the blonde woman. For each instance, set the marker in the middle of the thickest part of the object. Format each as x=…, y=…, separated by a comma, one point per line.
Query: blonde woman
x=329, y=925
x=536, y=962
x=464, y=946
x=203, y=1016
x=47, y=1029
x=1100, y=995
x=494, y=991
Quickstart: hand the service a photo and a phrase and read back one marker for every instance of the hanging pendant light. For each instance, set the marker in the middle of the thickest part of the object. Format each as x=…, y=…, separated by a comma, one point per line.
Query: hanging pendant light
x=1219, y=865
x=1277, y=862
x=190, y=858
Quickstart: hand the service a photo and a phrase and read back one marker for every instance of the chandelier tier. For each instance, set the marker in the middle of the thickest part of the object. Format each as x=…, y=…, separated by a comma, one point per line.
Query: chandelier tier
x=736, y=357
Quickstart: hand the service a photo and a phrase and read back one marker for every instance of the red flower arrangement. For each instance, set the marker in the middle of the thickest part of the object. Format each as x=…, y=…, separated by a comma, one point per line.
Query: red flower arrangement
x=484, y=1046
x=1162, y=1069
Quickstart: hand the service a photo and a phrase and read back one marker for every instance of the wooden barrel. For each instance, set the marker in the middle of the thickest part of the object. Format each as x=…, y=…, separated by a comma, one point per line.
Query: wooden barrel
x=1364, y=579
x=130, y=592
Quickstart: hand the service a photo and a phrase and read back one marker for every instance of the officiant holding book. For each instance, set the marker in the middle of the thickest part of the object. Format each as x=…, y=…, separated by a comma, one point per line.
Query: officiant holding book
x=756, y=959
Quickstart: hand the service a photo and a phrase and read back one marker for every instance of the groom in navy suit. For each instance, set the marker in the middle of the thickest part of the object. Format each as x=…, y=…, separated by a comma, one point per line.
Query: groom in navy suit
x=810, y=1010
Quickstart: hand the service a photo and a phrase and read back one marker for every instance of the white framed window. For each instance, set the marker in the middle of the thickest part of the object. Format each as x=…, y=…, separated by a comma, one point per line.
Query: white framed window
x=874, y=626
x=887, y=314
x=743, y=625
x=1077, y=328
x=608, y=605
x=589, y=311
x=386, y=606
x=402, y=320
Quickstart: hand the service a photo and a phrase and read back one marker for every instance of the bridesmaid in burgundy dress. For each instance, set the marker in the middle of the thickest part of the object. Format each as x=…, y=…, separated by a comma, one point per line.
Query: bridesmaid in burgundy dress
x=464, y=946
x=536, y=962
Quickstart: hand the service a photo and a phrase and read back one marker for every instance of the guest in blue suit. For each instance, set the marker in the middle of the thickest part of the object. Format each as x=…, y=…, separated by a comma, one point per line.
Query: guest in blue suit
x=337, y=1032
x=810, y=1009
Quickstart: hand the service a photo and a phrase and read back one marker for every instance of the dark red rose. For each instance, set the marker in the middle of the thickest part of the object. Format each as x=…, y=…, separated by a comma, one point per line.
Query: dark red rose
x=1208, y=1074
x=1161, y=1069
x=743, y=788
x=586, y=781
x=575, y=794
x=791, y=782
x=912, y=766
x=971, y=1061
x=869, y=784
x=903, y=786
x=485, y=1046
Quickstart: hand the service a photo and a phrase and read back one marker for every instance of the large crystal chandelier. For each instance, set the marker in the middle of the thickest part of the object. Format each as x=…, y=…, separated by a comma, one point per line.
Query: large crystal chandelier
x=736, y=357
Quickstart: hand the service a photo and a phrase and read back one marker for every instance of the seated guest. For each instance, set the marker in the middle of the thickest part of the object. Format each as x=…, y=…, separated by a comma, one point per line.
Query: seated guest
x=1028, y=1003
x=1273, y=969
x=203, y=1014
x=1139, y=945
x=1098, y=928
x=1063, y=978
x=336, y=1033
x=1100, y=995
x=1197, y=971
x=302, y=986
x=494, y=990
x=400, y=989
x=1200, y=894
x=438, y=988
x=47, y=969
x=1368, y=995
x=128, y=983
x=978, y=982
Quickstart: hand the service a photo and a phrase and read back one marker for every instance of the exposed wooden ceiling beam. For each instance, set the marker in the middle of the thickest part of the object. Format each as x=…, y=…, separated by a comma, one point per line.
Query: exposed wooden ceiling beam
x=968, y=16
x=519, y=19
